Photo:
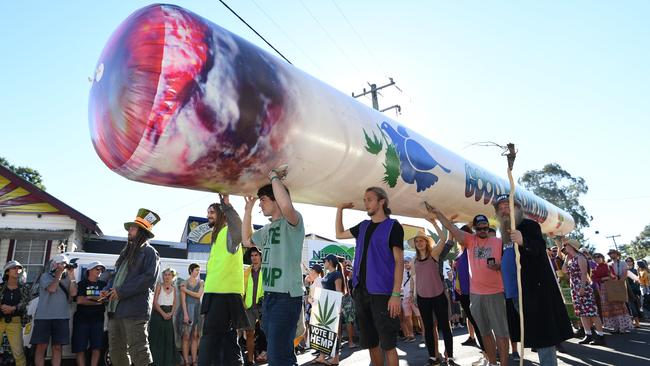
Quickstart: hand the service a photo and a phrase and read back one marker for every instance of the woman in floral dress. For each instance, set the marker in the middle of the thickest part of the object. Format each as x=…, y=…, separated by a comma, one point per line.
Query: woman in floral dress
x=582, y=293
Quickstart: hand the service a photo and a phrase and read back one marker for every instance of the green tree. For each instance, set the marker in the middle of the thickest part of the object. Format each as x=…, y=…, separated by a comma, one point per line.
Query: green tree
x=29, y=174
x=560, y=188
x=640, y=247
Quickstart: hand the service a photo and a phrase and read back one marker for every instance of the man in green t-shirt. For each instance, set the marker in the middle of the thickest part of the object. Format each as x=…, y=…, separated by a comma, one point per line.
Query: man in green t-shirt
x=281, y=242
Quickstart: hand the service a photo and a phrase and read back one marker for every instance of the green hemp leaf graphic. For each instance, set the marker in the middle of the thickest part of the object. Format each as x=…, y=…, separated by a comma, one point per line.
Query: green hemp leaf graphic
x=391, y=166
x=325, y=313
x=373, y=145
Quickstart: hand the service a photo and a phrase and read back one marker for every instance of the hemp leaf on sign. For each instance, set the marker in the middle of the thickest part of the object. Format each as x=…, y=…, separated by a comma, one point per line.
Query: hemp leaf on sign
x=325, y=313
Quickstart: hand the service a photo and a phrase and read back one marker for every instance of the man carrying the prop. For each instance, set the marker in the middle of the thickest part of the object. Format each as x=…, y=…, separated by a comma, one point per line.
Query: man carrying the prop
x=377, y=274
x=222, y=305
x=253, y=292
x=131, y=295
x=281, y=241
x=546, y=322
x=487, y=301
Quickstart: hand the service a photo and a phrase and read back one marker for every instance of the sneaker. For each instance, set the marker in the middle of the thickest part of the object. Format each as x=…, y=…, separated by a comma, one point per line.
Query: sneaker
x=515, y=356
x=587, y=339
x=451, y=362
x=481, y=362
x=469, y=342
x=432, y=362
x=579, y=334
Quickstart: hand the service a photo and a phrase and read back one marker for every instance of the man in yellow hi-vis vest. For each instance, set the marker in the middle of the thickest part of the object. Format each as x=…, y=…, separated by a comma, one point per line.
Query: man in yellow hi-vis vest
x=253, y=293
x=222, y=304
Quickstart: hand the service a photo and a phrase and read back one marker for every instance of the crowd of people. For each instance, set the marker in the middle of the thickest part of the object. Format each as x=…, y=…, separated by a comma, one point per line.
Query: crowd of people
x=259, y=312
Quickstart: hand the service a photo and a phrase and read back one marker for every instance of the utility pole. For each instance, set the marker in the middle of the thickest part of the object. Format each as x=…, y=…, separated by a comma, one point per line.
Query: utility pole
x=613, y=237
x=374, y=90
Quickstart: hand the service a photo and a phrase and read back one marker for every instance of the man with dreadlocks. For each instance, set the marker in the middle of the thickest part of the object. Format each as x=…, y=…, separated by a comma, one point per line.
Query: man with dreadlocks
x=131, y=295
x=222, y=304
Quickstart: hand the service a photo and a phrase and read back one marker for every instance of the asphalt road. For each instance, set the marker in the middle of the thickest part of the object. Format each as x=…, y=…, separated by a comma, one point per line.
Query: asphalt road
x=621, y=350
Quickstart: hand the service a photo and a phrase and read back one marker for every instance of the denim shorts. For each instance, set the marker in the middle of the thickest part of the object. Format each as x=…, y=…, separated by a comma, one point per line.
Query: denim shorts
x=87, y=332
x=57, y=329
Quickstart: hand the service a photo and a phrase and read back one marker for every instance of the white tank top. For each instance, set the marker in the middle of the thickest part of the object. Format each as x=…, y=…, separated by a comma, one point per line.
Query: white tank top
x=165, y=298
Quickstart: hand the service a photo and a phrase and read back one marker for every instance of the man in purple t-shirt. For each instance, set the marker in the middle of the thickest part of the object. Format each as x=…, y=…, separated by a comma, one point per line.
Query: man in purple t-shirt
x=377, y=274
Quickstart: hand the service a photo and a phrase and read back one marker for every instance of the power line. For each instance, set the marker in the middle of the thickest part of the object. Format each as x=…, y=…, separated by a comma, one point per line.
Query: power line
x=330, y=37
x=285, y=34
x=378, y=61
x=253, y=29
x=363, y=43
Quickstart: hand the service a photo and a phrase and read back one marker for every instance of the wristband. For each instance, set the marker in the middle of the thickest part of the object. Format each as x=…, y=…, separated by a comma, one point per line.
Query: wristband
x=395, y=294
x=274, y=177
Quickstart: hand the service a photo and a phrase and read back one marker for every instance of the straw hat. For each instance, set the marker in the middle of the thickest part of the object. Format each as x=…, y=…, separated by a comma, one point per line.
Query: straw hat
x=420, y=234
x=574, y=243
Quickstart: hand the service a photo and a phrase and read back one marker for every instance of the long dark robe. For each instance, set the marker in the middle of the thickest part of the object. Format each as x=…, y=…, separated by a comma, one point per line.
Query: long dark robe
x=546, y=321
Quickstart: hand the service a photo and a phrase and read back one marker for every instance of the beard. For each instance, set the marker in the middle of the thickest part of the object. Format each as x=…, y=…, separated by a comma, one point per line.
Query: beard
x=504, y=224
x=371, y=213
x=210, y=222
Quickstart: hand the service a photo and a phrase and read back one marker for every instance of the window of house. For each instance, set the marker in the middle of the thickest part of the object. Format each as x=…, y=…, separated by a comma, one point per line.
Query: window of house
x=31, y=254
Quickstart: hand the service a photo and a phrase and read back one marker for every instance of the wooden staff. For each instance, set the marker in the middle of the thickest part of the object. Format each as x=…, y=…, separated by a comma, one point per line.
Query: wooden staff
x=512, y=154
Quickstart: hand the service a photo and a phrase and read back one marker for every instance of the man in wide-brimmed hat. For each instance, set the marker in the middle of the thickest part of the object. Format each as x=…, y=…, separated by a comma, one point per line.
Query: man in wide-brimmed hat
x=14, y=298
x=131, y=293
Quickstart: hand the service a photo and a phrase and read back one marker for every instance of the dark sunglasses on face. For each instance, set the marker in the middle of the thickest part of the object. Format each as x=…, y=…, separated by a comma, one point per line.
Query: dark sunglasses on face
x=481, y=228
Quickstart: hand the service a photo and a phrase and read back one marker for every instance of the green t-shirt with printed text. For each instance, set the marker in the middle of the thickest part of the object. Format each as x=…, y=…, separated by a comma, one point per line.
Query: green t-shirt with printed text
x=281, y=245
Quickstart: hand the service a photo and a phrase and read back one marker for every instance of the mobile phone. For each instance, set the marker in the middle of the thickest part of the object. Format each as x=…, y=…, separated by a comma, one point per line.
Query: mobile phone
x=491, y=261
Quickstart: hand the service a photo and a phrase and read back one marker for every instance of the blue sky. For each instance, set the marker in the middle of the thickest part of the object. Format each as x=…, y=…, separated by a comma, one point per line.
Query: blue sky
x=568, y=82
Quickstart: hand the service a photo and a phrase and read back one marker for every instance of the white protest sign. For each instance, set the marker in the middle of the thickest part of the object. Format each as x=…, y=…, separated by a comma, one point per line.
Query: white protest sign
x=324, y=320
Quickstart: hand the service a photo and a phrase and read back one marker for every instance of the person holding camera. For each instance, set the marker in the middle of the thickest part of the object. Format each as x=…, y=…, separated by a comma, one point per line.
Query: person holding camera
x=14, y=297
x=88, y=320
x=487, y=302
x=52, y=318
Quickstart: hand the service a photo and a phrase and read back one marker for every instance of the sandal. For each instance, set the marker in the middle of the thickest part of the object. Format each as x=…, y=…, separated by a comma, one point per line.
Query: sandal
x=261, y=358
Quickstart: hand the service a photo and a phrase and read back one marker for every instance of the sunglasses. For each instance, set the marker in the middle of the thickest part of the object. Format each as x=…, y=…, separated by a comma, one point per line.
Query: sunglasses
x=481, y=228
